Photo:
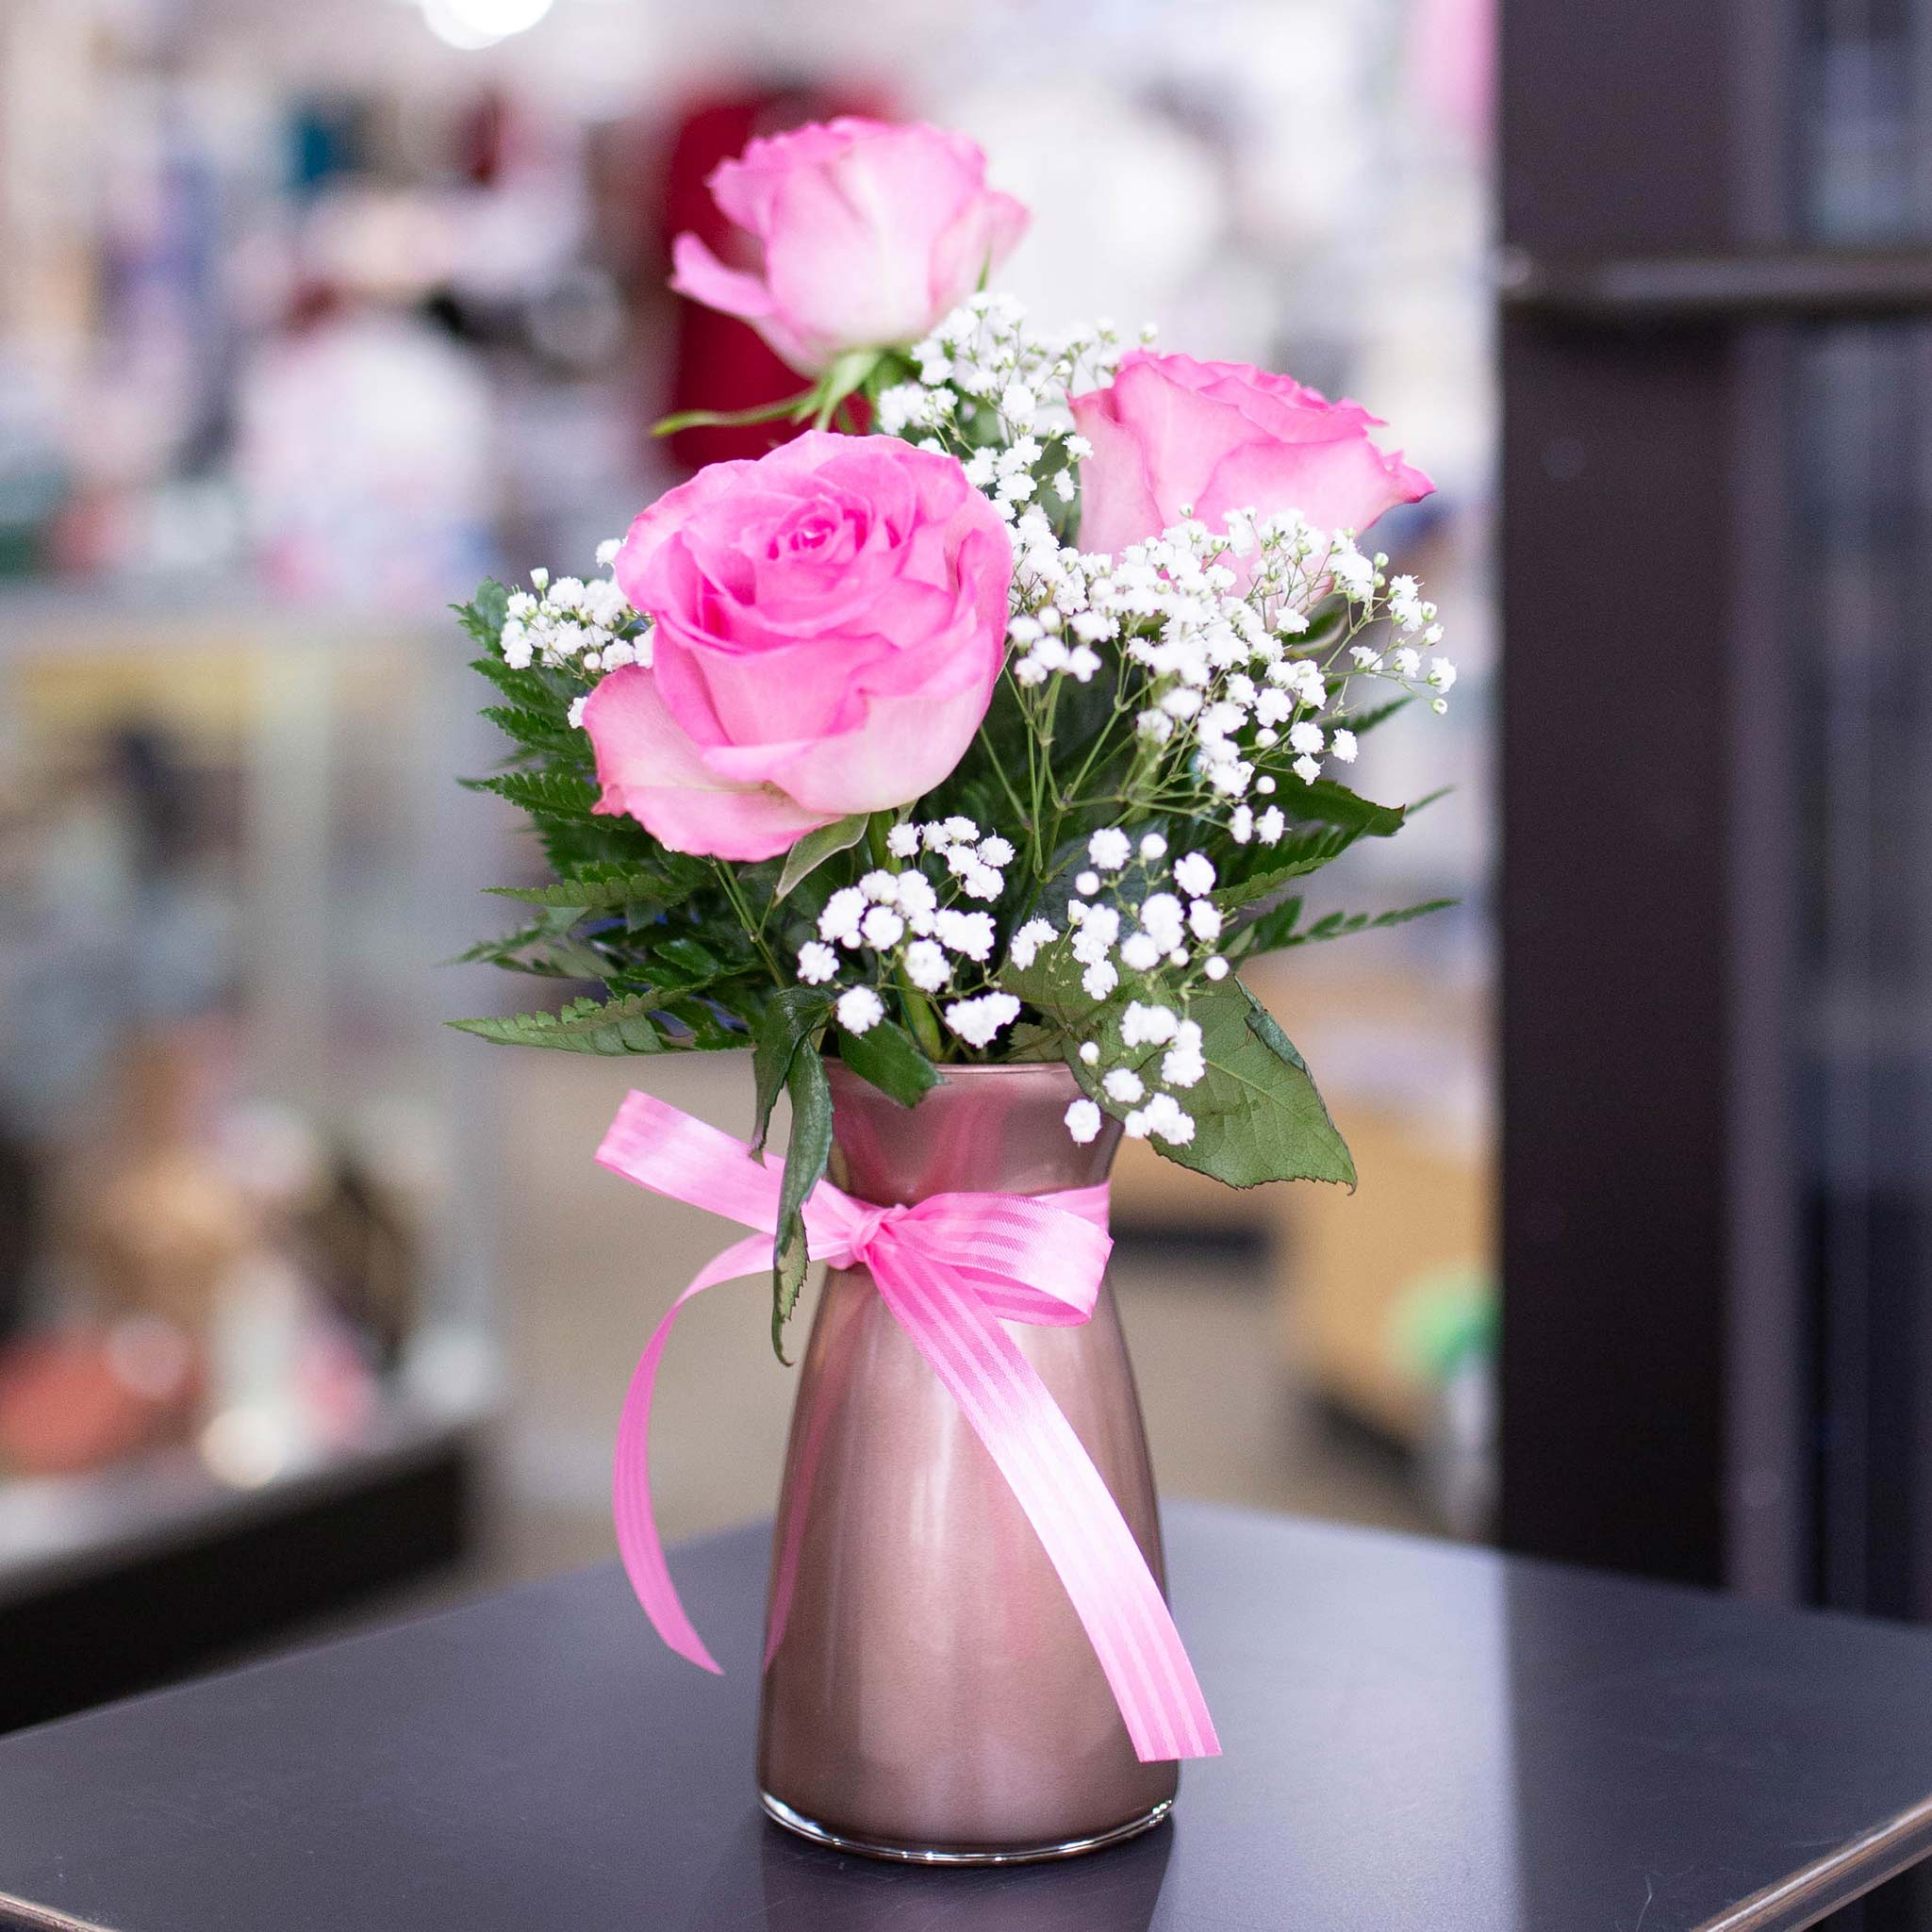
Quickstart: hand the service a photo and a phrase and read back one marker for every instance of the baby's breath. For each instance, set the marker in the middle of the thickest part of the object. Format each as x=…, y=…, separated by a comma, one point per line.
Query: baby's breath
x=907, y=921
x=1215, y=674
x=582, y=628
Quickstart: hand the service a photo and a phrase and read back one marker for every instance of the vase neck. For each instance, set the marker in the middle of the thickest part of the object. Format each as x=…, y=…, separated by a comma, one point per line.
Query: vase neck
x=985, y=1130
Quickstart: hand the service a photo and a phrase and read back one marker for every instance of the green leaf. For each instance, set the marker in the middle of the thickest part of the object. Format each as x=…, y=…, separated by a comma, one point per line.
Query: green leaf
x=1340, y=925
x=1267, y=931
x=691, y=960
x=585, y=1026
x=1297, y=855
x=817, y=847
x=1257, y=1114
x=805, y=1165
x=1329, y=818
x=1365, y=721
x=604, y=889
x=846, y=377
x=530, y=689
x=710, y=1033
x=1330, y=804
x=543, y=794
x=483, y=617
x=544, y=947
x=537, y=730
x=787, y=1017
x=1028, y=1040
x=888, y=1056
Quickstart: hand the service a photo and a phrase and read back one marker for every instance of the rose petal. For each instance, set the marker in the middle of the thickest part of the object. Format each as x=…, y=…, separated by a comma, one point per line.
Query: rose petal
x=650, y=771
x=1173, y=434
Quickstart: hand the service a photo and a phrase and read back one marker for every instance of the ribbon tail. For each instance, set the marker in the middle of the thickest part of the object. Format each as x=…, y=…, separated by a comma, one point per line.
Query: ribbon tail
x=1065, y=1498
x=638, y=1542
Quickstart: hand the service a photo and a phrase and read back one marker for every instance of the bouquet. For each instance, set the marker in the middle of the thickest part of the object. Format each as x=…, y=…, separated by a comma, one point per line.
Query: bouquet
x=997, y=714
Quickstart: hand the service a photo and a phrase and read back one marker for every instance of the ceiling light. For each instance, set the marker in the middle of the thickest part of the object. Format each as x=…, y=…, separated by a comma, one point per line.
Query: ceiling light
x=472, y=24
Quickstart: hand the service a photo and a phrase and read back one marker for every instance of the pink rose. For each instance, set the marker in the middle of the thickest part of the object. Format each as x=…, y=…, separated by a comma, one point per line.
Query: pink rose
x=1173, y=433
x=870, y=235
x=830, y=623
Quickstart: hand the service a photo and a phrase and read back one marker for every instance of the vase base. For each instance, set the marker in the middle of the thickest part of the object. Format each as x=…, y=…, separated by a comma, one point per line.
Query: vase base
x=781, y=1813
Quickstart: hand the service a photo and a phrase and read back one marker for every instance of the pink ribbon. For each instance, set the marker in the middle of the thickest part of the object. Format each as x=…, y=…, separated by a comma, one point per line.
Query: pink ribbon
x=950, y=1268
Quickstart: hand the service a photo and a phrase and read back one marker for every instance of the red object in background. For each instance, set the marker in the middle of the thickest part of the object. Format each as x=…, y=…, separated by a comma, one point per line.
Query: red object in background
x=721, y=362
x=68, y=1403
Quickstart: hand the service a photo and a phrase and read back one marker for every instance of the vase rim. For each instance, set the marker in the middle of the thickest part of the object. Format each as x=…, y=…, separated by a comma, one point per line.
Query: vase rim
x=998, y=1128
x=952, y=1070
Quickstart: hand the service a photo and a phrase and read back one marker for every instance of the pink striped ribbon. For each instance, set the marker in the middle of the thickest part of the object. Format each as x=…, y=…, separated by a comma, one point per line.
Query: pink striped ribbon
x=951, y=1269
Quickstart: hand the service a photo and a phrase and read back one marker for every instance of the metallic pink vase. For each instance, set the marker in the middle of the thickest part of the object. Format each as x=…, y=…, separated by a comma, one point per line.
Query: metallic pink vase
x=929, y=1693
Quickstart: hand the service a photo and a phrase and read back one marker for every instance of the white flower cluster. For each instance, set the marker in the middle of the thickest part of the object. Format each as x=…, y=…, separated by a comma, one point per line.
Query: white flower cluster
x=567, y=624
x=1009, y=474
x=992, y=390
x=912, y=929
x=1055, y=627
x=1173, y=934
x=1147, y=1090
x=1215, y=621
x=1415, y=619
x=987, y=353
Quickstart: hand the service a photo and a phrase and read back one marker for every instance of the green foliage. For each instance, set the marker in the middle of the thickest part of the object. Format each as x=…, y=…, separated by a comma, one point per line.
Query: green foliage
x=1274, y=866
x=1329, y=818
x=804, y=1166
x=609, y=888
x=694, y=954
x=1325, y=625
x=534, y=732
x=585, y=1026
x=529, y=690
x=1329, y=802
x=658, y=930
x=788, y=1018
x=1134, y=882
x=543, y=794
x=543, y=947
x=817, y=847
x=1363, y=722
x=1257, y=1114
x=1032, y=1041
x=888, y=1056
x=1280, y=926
x=482, y=618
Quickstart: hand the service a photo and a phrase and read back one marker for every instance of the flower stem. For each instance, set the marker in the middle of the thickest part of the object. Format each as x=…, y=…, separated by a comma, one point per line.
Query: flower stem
x=755, y=928
x=847, y=375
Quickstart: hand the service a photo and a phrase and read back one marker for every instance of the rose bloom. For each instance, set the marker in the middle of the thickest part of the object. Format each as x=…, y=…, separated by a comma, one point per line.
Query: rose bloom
x=1173, y=436
x=869, y=234
x=830, y=624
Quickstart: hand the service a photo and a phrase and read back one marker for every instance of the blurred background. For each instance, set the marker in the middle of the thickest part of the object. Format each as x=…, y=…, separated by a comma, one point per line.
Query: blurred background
x=313, y=316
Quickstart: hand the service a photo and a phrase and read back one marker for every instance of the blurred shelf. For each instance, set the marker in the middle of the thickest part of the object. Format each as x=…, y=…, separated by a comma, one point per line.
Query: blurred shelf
x=113, y=1582
x=42, y=624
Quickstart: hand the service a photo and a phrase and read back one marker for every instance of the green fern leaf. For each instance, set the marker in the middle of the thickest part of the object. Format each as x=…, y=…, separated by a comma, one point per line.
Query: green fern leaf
x=585, y=1026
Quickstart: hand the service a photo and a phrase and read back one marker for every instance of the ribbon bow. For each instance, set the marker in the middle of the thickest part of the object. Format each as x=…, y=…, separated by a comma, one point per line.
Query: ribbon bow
x=950, y=1268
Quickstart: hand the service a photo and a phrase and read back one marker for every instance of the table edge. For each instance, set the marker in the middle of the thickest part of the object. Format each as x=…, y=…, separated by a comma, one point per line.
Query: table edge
x=1843, y=1874
x=25, y=1916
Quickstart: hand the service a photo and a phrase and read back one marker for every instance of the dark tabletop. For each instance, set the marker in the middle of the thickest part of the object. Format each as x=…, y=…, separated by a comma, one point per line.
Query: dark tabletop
x=1417, y=1736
